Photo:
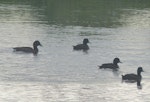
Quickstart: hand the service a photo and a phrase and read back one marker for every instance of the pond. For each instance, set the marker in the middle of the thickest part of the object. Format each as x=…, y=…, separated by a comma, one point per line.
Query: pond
x=60, y=74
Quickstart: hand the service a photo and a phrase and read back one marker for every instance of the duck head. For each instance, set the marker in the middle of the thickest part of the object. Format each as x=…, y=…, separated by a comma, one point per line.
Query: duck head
x=36, y=43
x=116, y=60
x=139, y=70
x=85, y=41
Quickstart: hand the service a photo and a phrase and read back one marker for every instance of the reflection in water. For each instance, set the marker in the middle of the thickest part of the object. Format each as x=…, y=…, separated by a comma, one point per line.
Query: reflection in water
x=139, y=86
x=68, y=92
x=136, y=18
x=138, y=83
x=90, y=13
x=116, y=72
x=80, y=13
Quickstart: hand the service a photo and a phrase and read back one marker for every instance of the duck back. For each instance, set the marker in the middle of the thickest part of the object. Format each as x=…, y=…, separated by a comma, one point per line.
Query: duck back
x=135, y=77
x=81, y=47
x=24, y=49
x=33, y=50
x=109, y=65
x=130, y=77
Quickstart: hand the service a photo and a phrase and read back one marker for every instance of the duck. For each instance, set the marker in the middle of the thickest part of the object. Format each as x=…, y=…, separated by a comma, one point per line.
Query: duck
x=83, y=46
x=33, y=50
x=113, y=65
x=134, y=77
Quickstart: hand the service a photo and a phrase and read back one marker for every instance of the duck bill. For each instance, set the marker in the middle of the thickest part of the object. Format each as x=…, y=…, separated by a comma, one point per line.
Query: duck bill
x=41, y=45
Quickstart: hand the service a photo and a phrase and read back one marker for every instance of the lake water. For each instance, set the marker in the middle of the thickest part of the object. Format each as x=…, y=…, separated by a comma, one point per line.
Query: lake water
x=59, y=74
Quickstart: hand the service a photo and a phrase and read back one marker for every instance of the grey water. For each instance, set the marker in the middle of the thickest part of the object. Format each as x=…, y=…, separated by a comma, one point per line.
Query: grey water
x=58, y=74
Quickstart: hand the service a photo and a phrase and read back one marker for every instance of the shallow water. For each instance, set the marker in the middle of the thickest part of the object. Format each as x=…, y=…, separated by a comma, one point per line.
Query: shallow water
x=58, y=73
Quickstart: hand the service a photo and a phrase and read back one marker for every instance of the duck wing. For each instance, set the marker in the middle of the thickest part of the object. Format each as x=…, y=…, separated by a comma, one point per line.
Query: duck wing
x=24, y=49
x=130, y=77
x=81, y=47
x=108, y=65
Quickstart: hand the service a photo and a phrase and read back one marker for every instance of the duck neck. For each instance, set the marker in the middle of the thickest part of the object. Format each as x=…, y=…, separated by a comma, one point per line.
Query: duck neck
x=139, y=73
x=85, y=43
x=35, y=49
x=115, y=63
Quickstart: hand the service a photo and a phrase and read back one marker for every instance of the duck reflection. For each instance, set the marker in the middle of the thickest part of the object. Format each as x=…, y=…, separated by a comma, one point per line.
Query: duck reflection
x=116, y=72
x=139, y=86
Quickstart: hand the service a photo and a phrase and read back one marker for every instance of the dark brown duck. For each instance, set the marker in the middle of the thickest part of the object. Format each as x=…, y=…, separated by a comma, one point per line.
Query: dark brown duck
x=83, y=46
x=113, y=65
x=134, y=77
x=33, y=50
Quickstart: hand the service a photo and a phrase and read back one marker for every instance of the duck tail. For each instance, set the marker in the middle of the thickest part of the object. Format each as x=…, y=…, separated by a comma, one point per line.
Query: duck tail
x=15, y=49
x=122, y=77
x=100, y=67
x=74, y=47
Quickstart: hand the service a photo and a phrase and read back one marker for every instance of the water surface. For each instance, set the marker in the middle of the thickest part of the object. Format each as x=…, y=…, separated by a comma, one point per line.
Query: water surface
x=59, y=74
